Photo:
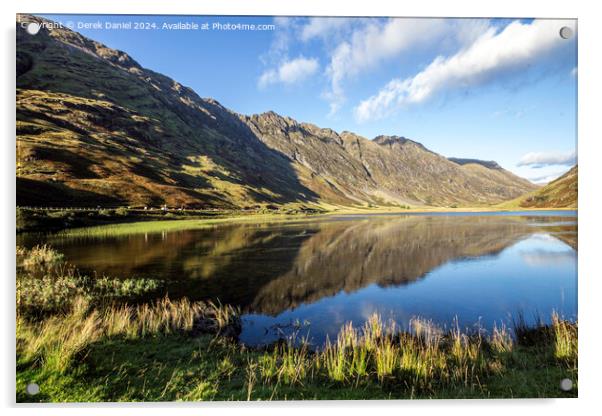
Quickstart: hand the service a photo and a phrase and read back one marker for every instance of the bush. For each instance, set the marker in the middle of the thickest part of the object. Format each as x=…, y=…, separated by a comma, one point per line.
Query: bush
x=46, y=284
x=122, y=212
x=39, y=258
x=25, y=219
x=61, y=215
x=55, y=293
x=106, y=212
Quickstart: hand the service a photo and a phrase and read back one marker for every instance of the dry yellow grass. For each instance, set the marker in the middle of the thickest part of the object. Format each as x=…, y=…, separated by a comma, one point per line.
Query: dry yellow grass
x=57, y=339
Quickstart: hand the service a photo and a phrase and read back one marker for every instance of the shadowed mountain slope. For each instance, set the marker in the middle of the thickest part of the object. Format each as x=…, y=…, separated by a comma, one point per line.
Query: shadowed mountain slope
x=95, y=128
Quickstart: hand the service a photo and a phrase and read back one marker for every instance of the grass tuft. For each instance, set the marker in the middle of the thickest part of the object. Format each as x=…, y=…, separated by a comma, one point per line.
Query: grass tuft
x=46, y=284
x=565, y=340
x=39, y=258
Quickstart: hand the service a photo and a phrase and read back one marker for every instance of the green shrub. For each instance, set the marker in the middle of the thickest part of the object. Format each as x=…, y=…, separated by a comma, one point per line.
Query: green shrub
x=122, y=212
x=25, y=219
x=39, y=258
x=46, y=284
x=61, y=214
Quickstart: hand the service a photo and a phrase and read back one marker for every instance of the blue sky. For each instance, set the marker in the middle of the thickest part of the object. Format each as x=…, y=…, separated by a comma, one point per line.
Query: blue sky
x=501, y=90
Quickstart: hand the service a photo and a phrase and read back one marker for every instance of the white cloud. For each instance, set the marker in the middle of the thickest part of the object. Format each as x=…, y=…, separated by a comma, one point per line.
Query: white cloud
x=289, y=72
x=542, y=159
x=371, y=44
x=516, y=46
x=284, y=35
x=546, y=178
x=283, y=21
x=574, y=72
x=548, y=257
x=322, y=27
x=358, y=45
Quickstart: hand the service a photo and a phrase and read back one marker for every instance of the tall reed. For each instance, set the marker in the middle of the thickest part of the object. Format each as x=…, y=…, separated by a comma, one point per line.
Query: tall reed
x=565, y=340
x=56, y=340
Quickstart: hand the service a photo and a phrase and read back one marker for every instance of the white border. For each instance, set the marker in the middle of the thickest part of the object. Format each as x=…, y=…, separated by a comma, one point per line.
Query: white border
x=590, y=176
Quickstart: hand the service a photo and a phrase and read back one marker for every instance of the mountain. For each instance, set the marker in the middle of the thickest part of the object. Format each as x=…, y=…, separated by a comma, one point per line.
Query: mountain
x=96, y=128
x=560, y=193
x=489, y=164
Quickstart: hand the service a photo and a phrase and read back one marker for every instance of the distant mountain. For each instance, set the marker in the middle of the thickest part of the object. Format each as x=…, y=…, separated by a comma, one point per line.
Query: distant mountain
x=560, y=193
x=489, y=164
x=95, y=128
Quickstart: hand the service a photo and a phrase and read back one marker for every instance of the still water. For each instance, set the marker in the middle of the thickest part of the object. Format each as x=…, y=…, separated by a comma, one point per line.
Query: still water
x=309, y=277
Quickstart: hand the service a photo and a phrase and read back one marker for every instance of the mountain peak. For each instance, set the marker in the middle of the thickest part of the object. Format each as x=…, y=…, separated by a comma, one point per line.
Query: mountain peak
x=491, y=164
x=273, y=118
x=391, y=140
x=73, y=39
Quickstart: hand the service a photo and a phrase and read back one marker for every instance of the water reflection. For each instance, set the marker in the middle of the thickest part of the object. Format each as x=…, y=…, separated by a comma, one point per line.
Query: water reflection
x=335, y=270
x=544, y=257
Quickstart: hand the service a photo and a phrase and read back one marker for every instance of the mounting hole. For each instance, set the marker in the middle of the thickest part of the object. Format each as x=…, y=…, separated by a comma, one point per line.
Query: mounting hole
x=566, y=384
x=566, y=32
x=32, y=389
x=33, y=28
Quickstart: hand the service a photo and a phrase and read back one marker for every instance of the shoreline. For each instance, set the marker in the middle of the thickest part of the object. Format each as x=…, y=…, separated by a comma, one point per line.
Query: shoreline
x=64, y=220
x=441, y=210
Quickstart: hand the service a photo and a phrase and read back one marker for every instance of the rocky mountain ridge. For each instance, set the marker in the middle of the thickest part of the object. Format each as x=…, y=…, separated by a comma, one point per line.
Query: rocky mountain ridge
x=95, y=128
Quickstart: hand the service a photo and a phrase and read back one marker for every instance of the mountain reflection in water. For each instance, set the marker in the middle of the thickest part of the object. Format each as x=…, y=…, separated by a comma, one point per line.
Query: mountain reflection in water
x=275, y=272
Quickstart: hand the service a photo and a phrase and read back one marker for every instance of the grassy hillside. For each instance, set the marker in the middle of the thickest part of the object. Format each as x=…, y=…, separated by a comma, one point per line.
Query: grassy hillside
x=95, y=128
x=560, y=193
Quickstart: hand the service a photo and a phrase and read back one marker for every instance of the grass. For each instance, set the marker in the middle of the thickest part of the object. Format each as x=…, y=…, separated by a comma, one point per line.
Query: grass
x=151, y=352
x=559, y=193
x=54, y=342
x=46, y=284
x=565, y=340
x=144, y=227
x=39, y=257
x=123, y=221
x=55, y=219
x=144, y=223
x=90, y=348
